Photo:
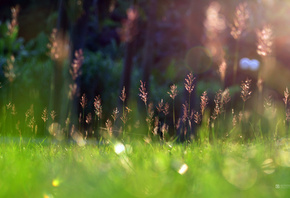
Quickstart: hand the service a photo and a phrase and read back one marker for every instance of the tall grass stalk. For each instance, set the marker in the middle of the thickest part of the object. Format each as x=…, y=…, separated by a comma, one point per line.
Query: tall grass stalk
x=98, y=112
x=123, y=98
x=173, y=94
x=144, y=97
x=83, y=104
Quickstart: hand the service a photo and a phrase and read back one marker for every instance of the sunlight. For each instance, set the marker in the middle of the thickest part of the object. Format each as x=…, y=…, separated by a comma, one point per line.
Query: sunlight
x=55, y=182
x=119, y=148
x=268, y=166
x=183, y=169
x=45, y=195
x=78, y=137
x=168, y=98
x=214, y=26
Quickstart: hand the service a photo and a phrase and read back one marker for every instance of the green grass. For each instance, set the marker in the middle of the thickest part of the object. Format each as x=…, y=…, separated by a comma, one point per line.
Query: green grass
x=240, y=153
x=222, y=169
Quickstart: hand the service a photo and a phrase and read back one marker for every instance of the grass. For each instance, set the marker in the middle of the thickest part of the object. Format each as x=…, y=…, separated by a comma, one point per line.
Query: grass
x=137, y=169
x=234, y=152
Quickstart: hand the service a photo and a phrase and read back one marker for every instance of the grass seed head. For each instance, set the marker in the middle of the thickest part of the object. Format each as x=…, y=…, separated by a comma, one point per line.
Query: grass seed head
x=240, y=20
x=83, y=101
x=89, y=118
x=73, y=90
x=53, y=45
x=123, y=95
x=197, y=117
x=173, y=91
x=265, y=40
x=14, y=22
x=286, y=96
x=226, y=98
x=189, y=85
x=160, y=106
x=115, y=114
x=9, y=70
x=44, y=116
x=203, y=102
x=246, y=93
x=98, y=106
x=143, y=94
x=75, y=71
x=166, y=109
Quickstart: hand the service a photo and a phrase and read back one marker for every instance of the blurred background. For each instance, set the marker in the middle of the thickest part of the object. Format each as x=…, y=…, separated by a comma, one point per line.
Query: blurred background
x=125, y=41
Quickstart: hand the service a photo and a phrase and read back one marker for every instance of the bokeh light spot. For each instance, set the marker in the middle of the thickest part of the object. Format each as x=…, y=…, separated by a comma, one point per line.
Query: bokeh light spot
x=119, y=148
x=46, y=195
x=239, y=173
x=284, y=158
x=268, y=166
x=55, y=182
x=183, y=169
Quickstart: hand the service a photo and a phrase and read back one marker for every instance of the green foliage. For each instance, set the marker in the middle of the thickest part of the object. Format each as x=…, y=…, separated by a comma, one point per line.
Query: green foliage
x=32, y=67
x=136, y=169
x=9, y=42
x=102, y=75
x=161, y=81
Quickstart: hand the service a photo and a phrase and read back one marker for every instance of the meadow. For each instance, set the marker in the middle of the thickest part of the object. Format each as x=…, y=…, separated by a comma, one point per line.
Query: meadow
x=217, y=128
x=136, y=169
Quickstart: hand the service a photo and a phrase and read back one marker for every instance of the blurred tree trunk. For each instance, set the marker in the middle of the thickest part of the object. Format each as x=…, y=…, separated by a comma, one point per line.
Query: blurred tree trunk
x=129, y=54
x=58, y=78
x=148, y=51
x=78, y=33
x=194, y=23
x=127, y=70
x=73, y=26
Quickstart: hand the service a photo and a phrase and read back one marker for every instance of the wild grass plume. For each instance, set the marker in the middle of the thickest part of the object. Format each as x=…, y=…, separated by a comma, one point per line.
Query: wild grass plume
x=265, y=40
x=143, y=94
x=245, y=92
x=14, y=22
x=240, y=20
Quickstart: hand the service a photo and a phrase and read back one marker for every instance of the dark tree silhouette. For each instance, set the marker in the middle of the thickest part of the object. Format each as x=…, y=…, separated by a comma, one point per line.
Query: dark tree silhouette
x=72, y=22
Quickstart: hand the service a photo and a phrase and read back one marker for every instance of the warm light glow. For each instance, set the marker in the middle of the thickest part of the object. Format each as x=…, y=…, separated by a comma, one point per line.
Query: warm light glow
x=78, y=137
x=214, y=26
x=45, y=195
x=119, y=148
x=239, y=173
x=183, y=169
x=215, y=21
x=55, y=182
x=268, y=166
